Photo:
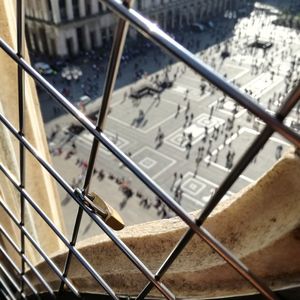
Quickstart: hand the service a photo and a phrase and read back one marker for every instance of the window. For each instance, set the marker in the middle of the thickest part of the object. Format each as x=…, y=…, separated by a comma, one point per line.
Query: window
x=63, y=10
x=88, y=7
x=76, y=8
x=49, y=7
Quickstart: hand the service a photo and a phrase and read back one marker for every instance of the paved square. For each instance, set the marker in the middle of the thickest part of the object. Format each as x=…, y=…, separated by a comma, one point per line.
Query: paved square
x=197, y=189
x=265, y=158
x=193, y=186
x=261, y=84
x=145, y=114
x=228, y=107
x=147, y=163
x=86, y=139
x=197, y=129
x=154, y=166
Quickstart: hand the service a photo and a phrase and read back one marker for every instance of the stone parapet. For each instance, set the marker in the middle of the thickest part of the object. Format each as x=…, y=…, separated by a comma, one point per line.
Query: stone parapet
x=260, y=225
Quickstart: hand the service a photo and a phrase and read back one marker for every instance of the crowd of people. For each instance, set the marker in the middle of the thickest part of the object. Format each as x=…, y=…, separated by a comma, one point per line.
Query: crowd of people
x=214, y=139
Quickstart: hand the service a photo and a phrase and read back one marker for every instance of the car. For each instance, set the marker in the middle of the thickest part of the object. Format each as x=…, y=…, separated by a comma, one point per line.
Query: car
x=261, y=44
x=84, y=100
x=43, y=68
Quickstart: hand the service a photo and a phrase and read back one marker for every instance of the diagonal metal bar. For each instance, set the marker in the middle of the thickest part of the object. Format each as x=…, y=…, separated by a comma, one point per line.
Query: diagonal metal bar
x=18, y=250
x=77, y=254
x=237, y=170
x=38, y=248
x=113, y=68
x=8, y=290
x=130, y=164
x=133, y=258
x=202, y=233
x=19, y=272
x=159, y=37
x=4, y=294
x=32, y=288
x=171, y=203
x=23, y=277
x=11, y=280
x=20, y=53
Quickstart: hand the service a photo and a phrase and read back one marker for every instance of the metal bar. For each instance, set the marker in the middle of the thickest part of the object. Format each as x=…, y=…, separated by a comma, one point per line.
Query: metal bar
x=133, y=258
x=240, y=267
x=39, y=276
x=12, y=263
x=24, y=279
x=254, y=108
x=123, y=158
x=274, y=123
x=20, y=53
x=10, y=240
x=113, y=67
x=7, y=289
x=78, y=255
x=156, y=35
x=3, y=294
x=39, y=249
x=18, y=250
x=239, y=167
x=10, y=278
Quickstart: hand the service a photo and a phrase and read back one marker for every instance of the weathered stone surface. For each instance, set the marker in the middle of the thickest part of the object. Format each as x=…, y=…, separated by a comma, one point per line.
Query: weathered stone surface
x=40, y=185
x=260, y=225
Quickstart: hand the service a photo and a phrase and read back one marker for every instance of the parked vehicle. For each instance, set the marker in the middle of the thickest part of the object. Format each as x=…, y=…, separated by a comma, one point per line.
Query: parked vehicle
x=43, y=68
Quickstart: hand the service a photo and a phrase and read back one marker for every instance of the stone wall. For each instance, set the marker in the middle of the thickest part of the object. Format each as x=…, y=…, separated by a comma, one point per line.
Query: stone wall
x=38, y=182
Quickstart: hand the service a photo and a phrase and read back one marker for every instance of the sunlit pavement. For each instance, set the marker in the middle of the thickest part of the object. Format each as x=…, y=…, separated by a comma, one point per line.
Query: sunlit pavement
x=192, y=177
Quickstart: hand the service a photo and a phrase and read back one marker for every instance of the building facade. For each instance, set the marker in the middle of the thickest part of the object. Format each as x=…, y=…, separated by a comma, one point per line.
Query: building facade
x=67, y=27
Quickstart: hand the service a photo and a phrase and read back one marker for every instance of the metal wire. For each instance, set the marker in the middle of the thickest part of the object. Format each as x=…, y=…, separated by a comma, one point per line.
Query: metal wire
x=8, y=289
x=236, y=171
x=113, y=67
x=160, y=38
x=153, y=33
x=11, y=279
x=39, y=249
x=99, y=221
x=19, y=272
x=240, y=267
x=20, y=53
x=59, y=234
x=34, y=270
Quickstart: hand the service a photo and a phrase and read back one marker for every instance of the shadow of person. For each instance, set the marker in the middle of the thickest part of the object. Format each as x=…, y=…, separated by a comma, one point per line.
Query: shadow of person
x=66, y=200
x=123, y=203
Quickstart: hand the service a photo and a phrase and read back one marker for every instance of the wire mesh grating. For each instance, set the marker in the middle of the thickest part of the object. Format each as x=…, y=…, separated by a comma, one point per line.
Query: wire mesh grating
x=127, y=16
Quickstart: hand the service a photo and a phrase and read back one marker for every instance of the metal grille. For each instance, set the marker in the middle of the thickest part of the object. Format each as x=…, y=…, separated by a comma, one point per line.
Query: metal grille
x=127, y=16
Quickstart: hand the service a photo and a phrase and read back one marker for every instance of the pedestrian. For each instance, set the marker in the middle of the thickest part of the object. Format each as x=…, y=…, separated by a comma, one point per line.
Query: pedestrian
x=188, y=149
x=174, y=181
x=178, y=111
x=188, y=106
x=278, y=152
x=183, y=138
x=191, y=118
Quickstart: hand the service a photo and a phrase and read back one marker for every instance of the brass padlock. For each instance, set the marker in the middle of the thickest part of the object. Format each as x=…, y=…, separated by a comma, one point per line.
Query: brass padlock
x=109, y=215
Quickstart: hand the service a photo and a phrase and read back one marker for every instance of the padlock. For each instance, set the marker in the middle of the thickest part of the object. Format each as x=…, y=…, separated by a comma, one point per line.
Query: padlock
x=110, y=216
